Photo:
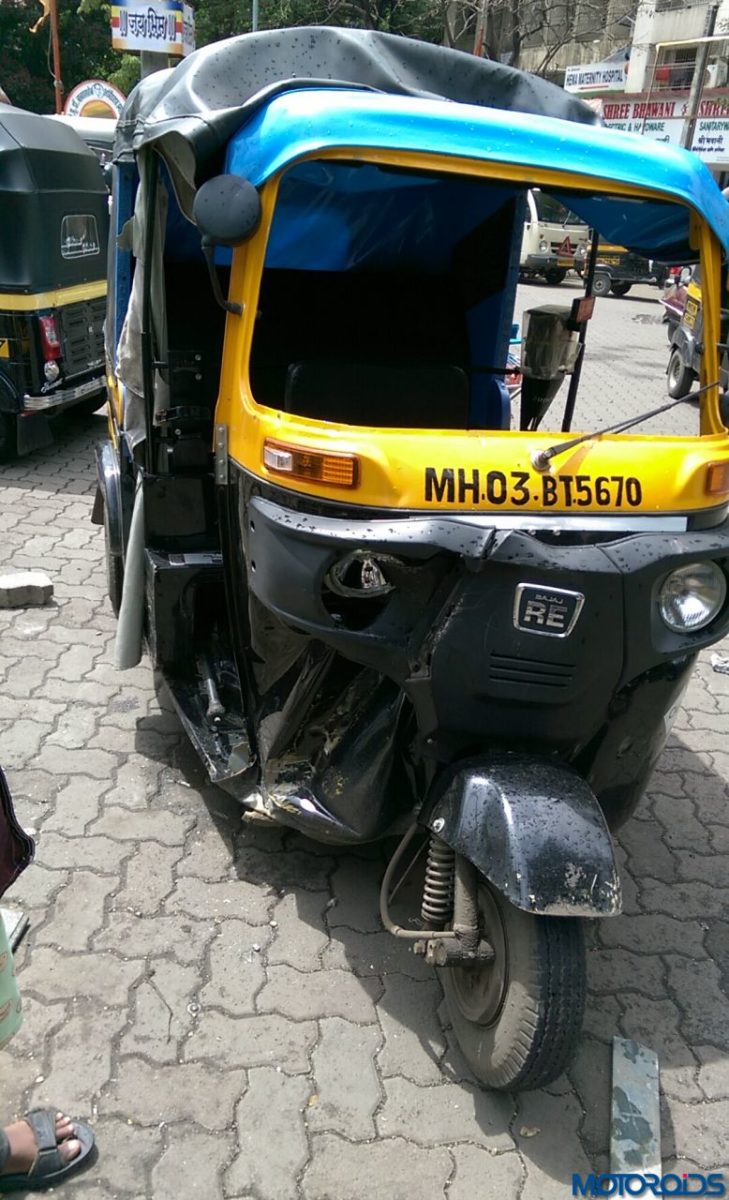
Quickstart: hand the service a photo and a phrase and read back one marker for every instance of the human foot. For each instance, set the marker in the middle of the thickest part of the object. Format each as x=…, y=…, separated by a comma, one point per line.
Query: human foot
x=46, y=1148
x=24, y=1145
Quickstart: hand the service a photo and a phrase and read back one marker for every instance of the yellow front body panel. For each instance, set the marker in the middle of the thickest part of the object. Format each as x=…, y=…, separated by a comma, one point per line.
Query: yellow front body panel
x=56, y=298
x=479, y=470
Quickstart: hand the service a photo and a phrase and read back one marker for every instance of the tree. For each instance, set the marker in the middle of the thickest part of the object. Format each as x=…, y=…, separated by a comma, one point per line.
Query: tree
x=503, y=29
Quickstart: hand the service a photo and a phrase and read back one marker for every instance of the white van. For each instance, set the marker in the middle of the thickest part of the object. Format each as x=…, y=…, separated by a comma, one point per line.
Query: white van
x=553, y=238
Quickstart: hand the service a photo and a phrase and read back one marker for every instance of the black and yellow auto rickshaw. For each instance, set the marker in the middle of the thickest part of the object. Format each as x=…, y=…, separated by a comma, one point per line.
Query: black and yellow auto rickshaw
x=687, y=339
x=53, y=250
x=382, y=601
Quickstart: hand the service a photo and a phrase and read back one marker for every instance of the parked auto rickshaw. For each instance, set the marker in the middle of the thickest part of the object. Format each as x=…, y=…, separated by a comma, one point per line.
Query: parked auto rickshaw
x=618, y=268
x=53, y=249
x=686, y=340
x=383, y=602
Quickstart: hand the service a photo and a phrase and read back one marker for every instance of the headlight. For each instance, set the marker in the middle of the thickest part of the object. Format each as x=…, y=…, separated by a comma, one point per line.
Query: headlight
x=543, y=247
x=51, y=370
x=361, y=575
x=692, y=596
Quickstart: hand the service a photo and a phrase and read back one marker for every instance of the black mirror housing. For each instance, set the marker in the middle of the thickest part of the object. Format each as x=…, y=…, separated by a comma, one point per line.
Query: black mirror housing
x=227, y=210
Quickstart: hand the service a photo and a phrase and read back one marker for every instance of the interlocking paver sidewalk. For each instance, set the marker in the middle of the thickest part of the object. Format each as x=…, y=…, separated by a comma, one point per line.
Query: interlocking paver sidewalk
x=219, y=999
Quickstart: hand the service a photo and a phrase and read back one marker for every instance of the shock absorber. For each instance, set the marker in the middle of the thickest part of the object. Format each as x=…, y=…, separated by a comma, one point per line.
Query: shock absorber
x=437, y=904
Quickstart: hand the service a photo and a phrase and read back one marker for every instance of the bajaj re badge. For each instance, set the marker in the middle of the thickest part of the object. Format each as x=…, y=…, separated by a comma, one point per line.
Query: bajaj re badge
x=552, y=612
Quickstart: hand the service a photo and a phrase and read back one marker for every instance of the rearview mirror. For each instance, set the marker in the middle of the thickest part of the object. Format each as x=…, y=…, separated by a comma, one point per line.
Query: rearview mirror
x=227, y=210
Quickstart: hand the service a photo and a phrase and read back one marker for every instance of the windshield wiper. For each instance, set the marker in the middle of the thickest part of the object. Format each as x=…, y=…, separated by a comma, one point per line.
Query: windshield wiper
x=542, y=458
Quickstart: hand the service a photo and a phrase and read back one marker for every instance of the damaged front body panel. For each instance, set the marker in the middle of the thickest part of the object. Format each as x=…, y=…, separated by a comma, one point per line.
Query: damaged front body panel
x=372, y=654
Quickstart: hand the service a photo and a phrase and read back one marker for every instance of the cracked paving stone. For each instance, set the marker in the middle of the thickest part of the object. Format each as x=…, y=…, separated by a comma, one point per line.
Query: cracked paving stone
x=75, y=728
x=653, y=933
x=149, y=877
x=701, y=999
x=271, y=1135
x=21, y=741
x=685, y=899
x=236, y=969
x=39, y=1020
x=137, y=780
x=80, y=1061
x=207, y=856
x=356, y=886
x=265, y=1040
x=165, y=827
x=481, y=1174
x=602, y=1017
x=160, y=1016
x=55, y=975
x=393, y=1169
x=95, y=853
x=300, y=936
x=591, y=1072
x=60, y=761
x=183, y=1092
x=179, y=936
x=127, y=1153
x=710, y=869
x=78, y=912
x=191, y=1164
x=713, y=1072
x=648, y=854
x=699, y=1132
x=414, y=1039
x=345, y=1080
x=37, y=887
x=75, y=805
x=656, y=1023
x=319, y=994
x=617, y=970
x=449, y=1112
x=231, y=898
x=292, y=869
x=374, y=954
x=681, y=829
x=555, y=1152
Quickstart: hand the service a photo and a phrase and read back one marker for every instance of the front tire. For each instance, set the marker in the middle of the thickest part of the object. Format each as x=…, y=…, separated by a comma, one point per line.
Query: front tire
x=518, y=1018
x=555, y=275
x=680, y=377
x=620, y=289
x=601, y=283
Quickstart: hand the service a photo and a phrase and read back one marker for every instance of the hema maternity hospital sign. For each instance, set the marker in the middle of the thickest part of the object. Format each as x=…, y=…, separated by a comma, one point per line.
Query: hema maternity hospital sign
x=596, y=77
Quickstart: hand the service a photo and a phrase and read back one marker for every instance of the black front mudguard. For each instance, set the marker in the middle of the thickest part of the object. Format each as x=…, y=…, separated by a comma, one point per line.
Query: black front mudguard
x=534, y=829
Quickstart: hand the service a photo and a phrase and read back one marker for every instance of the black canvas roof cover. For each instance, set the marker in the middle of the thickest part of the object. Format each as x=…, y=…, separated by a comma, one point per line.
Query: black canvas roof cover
x=38, y=155
x=192, y=110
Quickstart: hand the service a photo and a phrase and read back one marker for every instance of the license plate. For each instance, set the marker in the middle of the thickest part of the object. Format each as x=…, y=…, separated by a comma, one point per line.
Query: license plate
x=516, y=489
x=690, y=314
x=564, y=262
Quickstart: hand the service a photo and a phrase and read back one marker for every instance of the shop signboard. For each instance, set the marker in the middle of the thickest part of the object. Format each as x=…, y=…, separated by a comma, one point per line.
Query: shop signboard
x=596, y=77
x=162, y=27
x=664, y=121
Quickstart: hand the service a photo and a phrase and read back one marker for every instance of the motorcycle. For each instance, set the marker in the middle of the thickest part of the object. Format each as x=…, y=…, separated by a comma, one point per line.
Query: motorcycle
x=384, y=604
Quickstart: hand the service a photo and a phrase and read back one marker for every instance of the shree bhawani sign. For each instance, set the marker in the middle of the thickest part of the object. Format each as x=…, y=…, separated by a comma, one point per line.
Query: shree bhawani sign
x=163, y=27
x=664, y=120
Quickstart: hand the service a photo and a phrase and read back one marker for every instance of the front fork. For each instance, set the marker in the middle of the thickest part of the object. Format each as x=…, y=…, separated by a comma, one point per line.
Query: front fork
x=450, y=897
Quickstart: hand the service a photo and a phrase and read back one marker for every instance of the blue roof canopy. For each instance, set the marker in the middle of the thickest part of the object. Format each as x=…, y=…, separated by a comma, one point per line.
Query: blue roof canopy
x=306, y=122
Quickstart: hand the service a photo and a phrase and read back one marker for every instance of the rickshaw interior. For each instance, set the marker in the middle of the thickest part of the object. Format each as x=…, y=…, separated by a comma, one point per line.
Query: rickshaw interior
x=387, y=296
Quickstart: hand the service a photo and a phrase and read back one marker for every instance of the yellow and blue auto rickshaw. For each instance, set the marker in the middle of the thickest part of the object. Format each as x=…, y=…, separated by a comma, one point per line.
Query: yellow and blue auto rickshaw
x=53, y=250
x=382, y=601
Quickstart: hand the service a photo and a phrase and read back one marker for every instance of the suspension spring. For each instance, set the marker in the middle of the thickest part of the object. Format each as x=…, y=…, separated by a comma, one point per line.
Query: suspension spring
x=437, y=903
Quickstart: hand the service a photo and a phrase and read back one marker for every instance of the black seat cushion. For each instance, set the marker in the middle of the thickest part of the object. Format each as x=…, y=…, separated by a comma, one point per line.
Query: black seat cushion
x=386, y=394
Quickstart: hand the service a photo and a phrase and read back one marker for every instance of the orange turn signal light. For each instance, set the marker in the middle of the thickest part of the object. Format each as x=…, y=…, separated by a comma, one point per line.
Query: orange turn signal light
x=318, y=466
x=717, y=479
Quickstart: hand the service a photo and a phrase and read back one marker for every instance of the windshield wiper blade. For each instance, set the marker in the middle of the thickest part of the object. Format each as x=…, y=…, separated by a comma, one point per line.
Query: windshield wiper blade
x=542, y=458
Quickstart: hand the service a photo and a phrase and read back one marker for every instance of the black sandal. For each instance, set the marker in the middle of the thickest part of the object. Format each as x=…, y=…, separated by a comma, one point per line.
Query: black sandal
x=49, y=1169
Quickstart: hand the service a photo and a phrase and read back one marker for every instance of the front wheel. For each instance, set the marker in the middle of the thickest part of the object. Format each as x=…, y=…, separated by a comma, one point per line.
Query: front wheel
x=518, y=1017
x=555, y=275
x=680, y=376
x=601, y=283
x=620, y=289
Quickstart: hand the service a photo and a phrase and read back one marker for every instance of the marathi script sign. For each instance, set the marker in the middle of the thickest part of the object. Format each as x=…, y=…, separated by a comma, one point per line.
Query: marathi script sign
x=596, y=77
x=164, y=27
